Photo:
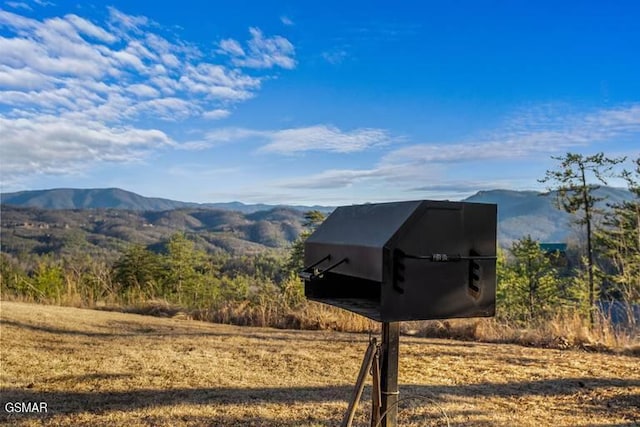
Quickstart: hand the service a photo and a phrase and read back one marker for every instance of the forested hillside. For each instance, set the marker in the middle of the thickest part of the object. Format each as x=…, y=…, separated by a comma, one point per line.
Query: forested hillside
x=520, y=213
x=228, y=266
x=108, y=232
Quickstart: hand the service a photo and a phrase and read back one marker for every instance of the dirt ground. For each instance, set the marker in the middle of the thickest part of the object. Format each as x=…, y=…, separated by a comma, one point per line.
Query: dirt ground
x=103, y=368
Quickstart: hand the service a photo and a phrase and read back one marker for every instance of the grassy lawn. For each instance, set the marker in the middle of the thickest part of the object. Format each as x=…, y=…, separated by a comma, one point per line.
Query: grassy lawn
x=105, y=368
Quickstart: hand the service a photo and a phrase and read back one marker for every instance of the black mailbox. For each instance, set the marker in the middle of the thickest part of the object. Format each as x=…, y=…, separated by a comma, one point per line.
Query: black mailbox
x=415, y=260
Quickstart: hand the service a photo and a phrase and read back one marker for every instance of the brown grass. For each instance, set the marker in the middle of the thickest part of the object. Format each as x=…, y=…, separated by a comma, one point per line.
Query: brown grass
x=308, y=316
x=564, y=330
x=107, y=368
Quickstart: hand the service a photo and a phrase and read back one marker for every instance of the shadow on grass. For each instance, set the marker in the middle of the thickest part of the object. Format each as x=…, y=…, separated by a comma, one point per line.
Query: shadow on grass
x=133, y=329
x=88, y=377
x=101, y=402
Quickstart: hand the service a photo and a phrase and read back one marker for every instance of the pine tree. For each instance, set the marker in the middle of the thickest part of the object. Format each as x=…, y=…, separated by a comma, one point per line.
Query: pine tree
x=13, y=279
x=296, y=258
x=530, y=282
x=620, y=239
x=138, y=271
x=572, y=182
x=186, y=270
x=508, y=301
x=48, y=280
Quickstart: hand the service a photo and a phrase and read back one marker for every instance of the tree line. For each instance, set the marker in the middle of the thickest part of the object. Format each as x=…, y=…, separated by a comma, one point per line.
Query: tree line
x=533, y=283
x=178, y=271
x=605, y=266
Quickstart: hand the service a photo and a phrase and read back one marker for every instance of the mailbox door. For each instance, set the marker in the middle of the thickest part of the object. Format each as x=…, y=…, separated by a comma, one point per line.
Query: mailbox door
x=442, y=290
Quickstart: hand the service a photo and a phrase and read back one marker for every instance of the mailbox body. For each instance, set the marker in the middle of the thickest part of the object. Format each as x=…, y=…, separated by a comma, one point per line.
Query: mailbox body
x=369, y=282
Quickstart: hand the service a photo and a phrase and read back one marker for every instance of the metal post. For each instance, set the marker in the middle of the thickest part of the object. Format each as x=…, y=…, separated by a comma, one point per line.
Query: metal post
x=357, y=392
x=376, y=395
x=389, y=373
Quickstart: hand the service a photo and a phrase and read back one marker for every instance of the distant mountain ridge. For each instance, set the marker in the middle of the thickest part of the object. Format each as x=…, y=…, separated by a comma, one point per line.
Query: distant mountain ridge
x=116, y=198
x=520, y=213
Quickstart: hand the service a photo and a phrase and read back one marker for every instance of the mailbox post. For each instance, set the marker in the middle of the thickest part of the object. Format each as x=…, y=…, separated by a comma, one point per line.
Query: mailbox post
x=393, y=262
x=389, y=373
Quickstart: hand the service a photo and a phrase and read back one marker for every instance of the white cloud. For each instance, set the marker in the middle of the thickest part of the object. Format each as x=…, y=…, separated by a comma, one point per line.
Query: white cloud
x=261, y=51
x=101, y=77
x=312, y=138
x=216, y=114
x=86, y=27
x=442, y=170
x=325, y=138
x=612, y=122
x=404, y=175
x=170, y=60
x=362, y=184
x=332, y=179
x=218, y=82
x=23, y=78
x=529, y=135
x=334, y=57
x=170, y=108
x=286, y=21
x=231, y=47
x=224, y=135
x=18, y=5
x=143, y=90
x=50, y=145
x=53, y=47
x=126, y=23
x=464, y=186
x=128, y=60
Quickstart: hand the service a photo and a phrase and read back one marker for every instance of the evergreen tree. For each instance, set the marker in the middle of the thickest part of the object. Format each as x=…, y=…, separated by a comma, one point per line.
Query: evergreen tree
x=620, y=239
x=530, y=283
x=296, y=258
x=540, y=277
x=186, y=270
x=572, y=182
x=13, y=279
x=139, y=271
x=48, y=280
x=507, y=301
x=578, y=289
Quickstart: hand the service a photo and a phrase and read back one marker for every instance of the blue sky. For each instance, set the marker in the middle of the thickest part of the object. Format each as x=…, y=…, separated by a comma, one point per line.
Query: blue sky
x=312, y=102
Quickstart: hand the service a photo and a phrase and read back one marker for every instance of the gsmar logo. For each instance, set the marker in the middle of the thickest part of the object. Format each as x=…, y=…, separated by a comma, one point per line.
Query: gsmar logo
x=26, y=407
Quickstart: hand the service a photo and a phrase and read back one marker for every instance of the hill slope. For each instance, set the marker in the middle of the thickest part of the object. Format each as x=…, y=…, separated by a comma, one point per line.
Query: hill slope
x=116, y=198
x=106, y=368
x=109, y=231
x=52, y=220
x=69, y=198
x=529, y=212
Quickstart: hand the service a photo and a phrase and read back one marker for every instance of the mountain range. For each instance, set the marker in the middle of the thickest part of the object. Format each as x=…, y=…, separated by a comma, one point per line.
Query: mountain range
x=522, y=213
x=116, y=198
x=95, y=220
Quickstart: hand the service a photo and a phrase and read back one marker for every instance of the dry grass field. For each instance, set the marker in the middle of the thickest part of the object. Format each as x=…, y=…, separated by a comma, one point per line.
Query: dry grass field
x=103, y=368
